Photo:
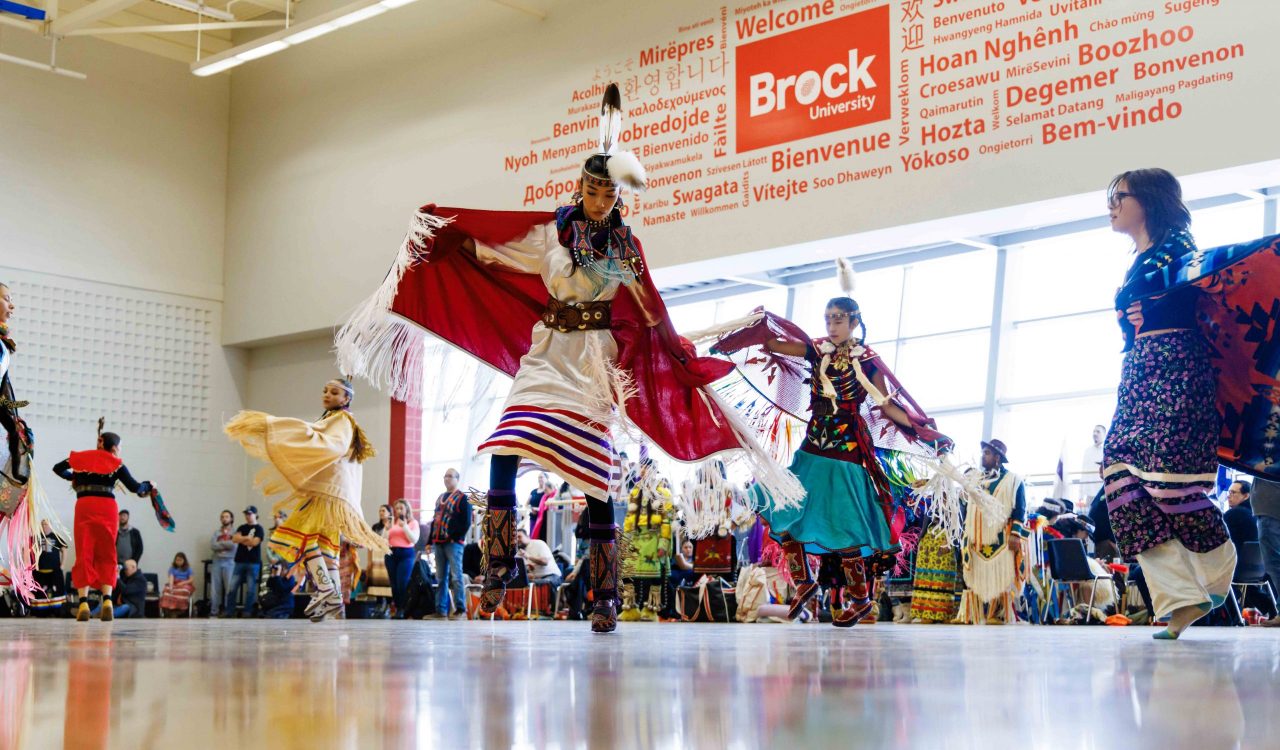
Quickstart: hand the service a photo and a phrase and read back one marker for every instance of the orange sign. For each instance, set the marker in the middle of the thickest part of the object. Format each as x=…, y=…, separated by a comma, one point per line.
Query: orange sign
x=820, y=79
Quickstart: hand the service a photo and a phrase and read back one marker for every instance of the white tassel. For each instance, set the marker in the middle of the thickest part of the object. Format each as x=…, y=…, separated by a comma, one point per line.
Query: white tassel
x=782, y=487
x=611, y=388
x=844, y=272
x=382, y=347
x=948, y=490
x=701, y=502
x=42, y=510
x=704, y=335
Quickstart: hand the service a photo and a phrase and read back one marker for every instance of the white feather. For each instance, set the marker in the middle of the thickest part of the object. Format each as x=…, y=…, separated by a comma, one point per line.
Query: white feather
x=626, y=169
x=844, y=272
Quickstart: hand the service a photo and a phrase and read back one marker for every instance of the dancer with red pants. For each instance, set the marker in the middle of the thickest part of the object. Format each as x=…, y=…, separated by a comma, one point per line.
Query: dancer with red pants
x=93, y=474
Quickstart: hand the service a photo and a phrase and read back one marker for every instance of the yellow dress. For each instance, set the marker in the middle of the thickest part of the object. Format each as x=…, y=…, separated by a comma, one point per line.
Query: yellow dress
x=317, y=467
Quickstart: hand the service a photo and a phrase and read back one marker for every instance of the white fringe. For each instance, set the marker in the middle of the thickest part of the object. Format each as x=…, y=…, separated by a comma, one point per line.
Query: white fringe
x=42, y=510
x=716, y=332
x=701, y=502
x=379, y=346
x=948, y=489
x=611, y=388
x=781, y=486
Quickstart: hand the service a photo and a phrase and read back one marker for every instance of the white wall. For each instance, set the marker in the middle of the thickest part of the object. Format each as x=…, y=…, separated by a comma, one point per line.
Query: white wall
x=112, y=192
x=336, y=141
x=120, y=178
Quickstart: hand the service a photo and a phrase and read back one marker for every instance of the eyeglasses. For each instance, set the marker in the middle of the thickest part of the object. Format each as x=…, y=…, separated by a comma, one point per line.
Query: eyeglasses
x=1114, y=200
x=839, y=317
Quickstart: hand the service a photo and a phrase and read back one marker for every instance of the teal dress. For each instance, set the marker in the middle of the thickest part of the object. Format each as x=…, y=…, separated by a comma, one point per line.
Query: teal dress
x=849, y=501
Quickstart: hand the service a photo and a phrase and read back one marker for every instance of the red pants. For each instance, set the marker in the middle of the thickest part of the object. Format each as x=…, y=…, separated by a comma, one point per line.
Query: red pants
x=97, y=522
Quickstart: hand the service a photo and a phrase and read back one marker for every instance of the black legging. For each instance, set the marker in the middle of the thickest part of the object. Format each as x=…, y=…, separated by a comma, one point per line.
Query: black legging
x=502, y=491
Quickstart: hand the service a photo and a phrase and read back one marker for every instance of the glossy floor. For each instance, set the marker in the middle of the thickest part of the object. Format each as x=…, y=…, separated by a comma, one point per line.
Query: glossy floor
x=249, y=684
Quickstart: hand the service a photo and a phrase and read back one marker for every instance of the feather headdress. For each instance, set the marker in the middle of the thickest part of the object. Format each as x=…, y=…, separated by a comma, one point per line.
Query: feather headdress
x=611, y=166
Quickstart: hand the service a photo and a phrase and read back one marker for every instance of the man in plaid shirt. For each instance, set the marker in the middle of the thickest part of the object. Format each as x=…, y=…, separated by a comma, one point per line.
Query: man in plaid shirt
x=448, y=531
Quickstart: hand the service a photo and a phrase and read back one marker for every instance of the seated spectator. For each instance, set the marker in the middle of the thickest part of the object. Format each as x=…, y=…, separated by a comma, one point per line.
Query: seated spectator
x=278, y=601
x=471, y=559
x=682, y=567
x=52, y=597
x=1104, y=539
x=175, y=601
x=130, y=594
x=539, y=562
x=1242, y=525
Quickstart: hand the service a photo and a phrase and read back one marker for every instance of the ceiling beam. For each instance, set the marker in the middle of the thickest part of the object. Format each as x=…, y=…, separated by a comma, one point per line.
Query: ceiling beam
x=269, y=5
x=523, y=7
x=173, y=28
x=22, y=23
x=88, y=15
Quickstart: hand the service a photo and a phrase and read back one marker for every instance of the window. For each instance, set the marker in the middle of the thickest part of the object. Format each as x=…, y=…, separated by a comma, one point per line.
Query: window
x=1067, y=274
x=1063, y=355
x=1038, y=432
x=1225, y=225
x=948, y=294
x=945, y=371
x=462, y=402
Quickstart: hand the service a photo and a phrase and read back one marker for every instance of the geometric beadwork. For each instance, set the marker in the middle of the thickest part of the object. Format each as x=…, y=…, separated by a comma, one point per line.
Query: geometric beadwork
x=87, y=350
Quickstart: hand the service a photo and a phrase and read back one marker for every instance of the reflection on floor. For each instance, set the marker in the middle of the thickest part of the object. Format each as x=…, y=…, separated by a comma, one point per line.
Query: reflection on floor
x=290, y=684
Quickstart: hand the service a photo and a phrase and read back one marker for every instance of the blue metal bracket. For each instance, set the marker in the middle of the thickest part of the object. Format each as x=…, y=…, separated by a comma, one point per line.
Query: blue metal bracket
x=26, y=11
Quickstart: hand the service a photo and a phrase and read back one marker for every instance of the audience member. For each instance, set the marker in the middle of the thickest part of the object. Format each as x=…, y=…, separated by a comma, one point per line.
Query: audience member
x=402, y=536
x=128, y=541
x=224, y=561
x=541, y=566
x=1242, y=525
x=175, y=600
x=1265, y=499
x=383, y=526
x=130, y=593
x=52, y=597
x=449, y=529
x=248, y=538
x=682, y=566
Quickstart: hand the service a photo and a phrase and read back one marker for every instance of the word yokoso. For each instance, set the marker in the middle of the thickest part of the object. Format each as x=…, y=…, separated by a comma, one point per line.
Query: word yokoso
x=814, y=80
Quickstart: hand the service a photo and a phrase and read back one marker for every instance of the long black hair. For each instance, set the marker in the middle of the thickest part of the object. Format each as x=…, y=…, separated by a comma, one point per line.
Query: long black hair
x=1160, y=195
x=358, y=440
x=850, y=306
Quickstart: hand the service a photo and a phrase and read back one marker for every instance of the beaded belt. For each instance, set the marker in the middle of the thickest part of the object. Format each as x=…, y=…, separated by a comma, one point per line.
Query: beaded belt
x=577, y=316
x=94, y=490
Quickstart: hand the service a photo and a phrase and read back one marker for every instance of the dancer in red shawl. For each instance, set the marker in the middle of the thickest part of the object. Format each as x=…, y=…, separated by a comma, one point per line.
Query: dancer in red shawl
x=855, y=404
x=564, y=303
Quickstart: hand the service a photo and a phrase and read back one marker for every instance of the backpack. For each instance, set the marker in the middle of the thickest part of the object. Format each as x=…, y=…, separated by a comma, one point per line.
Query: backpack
x=420, y=596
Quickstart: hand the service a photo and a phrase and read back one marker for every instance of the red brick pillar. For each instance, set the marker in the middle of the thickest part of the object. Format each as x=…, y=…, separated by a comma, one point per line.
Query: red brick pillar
x=406, y=455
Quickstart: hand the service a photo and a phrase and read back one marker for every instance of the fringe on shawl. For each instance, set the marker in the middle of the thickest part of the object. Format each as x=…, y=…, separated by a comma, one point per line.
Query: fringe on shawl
x=380, y=346
x=312, y=515
x=782, y=488
x=21, y=532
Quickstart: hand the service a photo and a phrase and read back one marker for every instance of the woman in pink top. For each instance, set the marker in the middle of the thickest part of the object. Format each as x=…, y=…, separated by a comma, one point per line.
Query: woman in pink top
x=402, y=534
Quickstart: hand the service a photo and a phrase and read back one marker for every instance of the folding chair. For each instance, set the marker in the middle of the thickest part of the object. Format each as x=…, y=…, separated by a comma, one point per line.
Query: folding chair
x=1252, y=572
x=1068, y=563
